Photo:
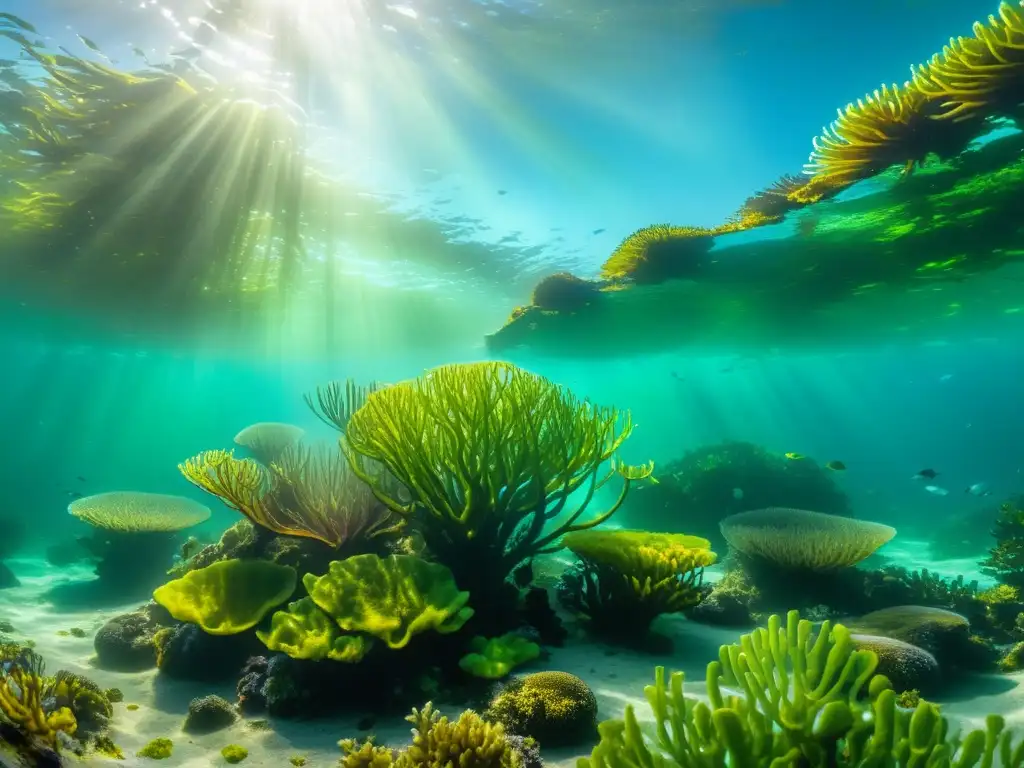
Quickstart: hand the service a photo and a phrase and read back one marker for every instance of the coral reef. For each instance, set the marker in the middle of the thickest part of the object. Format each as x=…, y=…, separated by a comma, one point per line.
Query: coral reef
x=564, y=292
x=658, y=253
x=186, y=652
x=458, y=438
x=628, y=578
x=229, y=596
x=23, y=692
x=696, y=492
x=158, y=749
x=555, y=708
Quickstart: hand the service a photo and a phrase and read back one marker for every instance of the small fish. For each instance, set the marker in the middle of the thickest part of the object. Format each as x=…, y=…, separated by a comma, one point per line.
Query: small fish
x=926, y=473
x=945, y=377
x=675, y=375
x=598, y=231
x=795, y=456
x=978, y=489
x=502, y=191
x=75, y=494
x=835, y=466
x=936, y=490
x=737, y=493
x=80, y=479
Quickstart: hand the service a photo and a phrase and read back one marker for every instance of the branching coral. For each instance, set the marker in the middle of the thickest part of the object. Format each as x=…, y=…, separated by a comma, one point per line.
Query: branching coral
x=335, y=403
x=308, y=492
x=631, y=577
x=980, y=76
x=489, y=454
x=437, y=742
x=658, y=253
x=22, y=691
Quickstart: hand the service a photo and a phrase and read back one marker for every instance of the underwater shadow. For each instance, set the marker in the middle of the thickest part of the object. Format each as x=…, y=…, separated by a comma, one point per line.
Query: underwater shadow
x=976, y=686
x=95, y=593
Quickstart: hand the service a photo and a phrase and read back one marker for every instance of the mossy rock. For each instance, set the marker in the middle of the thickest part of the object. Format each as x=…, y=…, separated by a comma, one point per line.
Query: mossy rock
x=207, y=714
x=944, y=634
x=555, y=708
x=907, y=666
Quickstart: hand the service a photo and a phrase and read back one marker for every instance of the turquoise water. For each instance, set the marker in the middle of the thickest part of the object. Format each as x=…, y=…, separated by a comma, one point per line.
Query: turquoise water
x=211, y=211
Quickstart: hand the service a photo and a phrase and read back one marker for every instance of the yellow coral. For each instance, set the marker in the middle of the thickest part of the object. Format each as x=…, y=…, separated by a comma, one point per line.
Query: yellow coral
x=134, y=511
x=22, y=691
x=976, y=77
x=797, y=538
x=305, y=632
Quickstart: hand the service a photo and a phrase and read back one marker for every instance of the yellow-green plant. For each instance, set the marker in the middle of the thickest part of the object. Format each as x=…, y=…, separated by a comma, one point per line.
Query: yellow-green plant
x=228, y=597
x=496, y=657
x=800, y=709
x=628, y=578
x=22, y=693
x=308, y=492
x=488, y=454
x=366, y=598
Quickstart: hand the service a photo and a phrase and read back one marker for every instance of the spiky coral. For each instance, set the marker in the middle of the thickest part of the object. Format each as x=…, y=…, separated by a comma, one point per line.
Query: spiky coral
x=980, y=76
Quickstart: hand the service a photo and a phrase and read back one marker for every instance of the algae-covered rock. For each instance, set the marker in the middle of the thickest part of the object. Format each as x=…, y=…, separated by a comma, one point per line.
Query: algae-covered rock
x=234, y=753
x=125, y=643
x=157, y=749
x=555, y=708
x=208, y=714
x=907, y=666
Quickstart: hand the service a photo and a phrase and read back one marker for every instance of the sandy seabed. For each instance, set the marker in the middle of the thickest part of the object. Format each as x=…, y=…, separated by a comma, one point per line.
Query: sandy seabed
x=617, y=677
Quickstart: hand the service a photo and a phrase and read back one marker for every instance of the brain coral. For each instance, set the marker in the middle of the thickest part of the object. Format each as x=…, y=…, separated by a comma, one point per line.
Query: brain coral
x=138, y=512
x=797, y=538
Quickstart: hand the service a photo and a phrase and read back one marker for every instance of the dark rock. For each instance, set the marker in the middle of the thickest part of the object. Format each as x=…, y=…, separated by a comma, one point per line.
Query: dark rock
x=208, y=714
x=907, y=666
x=125, y=643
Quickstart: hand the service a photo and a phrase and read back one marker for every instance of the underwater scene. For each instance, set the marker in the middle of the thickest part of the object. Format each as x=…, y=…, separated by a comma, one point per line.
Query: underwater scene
x=511, y=383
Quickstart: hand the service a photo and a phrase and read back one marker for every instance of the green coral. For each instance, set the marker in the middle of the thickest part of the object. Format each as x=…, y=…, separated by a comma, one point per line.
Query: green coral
x=391, y=598
x=233, y=753
x=555, y=708
x=628, y=577
x=363, y=598
x=158, y=749
x=229, y=596
x=496, y=657
x=488, y=454
x=800, y=708
x=305, y=632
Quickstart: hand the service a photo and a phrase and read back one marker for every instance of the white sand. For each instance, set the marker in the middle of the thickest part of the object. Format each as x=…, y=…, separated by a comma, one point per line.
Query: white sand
x=616, y=676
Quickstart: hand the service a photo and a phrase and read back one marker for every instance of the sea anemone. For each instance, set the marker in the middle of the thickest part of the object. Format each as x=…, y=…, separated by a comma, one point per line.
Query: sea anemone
x=975, y=77
x=659, y=253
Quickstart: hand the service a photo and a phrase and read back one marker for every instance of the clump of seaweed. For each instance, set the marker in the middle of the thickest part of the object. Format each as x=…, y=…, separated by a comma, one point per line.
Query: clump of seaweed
x=1005, y=561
